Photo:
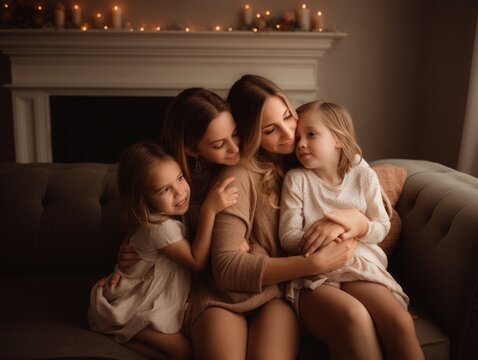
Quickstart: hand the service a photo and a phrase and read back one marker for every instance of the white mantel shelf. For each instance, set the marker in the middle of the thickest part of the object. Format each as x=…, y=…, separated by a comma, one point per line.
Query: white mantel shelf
x=123, y=63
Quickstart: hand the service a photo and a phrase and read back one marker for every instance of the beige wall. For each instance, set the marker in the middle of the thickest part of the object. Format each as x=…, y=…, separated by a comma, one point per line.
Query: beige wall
x=402, y=70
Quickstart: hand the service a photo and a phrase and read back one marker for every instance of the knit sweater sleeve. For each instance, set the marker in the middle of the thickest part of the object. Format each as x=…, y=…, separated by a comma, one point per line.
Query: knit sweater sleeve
x=234, y=269
x=379, y=221
x=291, y=227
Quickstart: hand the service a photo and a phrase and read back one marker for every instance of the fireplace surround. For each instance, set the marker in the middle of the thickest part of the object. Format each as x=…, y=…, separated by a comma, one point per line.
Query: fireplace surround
x=146, y=64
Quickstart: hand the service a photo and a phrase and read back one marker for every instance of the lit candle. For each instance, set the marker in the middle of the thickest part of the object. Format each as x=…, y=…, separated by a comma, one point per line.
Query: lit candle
x=303, y=18
x=247, y=15
x=76, y=15
x=319, y=21
x=60, y=16
x=117, y=17
x=98, y=20
x=218, y=28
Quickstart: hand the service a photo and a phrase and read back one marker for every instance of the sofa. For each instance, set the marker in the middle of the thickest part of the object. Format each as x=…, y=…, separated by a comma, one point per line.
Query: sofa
x=60, y=232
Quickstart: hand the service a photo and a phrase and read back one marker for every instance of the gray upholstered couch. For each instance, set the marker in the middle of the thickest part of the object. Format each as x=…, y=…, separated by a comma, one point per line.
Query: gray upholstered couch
x=60, y=231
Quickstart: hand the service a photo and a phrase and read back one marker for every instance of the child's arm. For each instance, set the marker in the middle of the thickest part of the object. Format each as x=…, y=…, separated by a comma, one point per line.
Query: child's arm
x=291, y=214
x=379, y=220
x=195, y=256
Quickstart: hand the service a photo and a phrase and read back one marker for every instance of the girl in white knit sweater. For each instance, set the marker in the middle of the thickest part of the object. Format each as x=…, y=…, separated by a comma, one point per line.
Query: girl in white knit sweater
x=336, y=177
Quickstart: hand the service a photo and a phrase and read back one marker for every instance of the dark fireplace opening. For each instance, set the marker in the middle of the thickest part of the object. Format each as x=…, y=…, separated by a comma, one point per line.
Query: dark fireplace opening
x=99, y=128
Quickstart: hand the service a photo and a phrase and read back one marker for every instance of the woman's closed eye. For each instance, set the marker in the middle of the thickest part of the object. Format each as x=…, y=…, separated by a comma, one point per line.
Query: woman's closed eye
x=269, y=130
x=218, y=145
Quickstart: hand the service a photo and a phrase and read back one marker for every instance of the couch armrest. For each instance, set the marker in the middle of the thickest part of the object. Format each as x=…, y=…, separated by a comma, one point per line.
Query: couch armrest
x=436, y=259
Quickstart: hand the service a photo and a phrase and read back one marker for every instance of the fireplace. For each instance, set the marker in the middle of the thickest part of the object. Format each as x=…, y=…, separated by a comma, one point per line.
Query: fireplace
x=99, y=128
x=50, y=66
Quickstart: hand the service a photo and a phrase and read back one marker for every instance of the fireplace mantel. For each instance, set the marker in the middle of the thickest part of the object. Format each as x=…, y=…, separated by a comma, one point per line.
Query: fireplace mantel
x=122, y=63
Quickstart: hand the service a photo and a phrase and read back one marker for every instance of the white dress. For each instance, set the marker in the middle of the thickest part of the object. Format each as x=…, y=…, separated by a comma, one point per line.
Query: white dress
x=306, y=198
x=152, y=293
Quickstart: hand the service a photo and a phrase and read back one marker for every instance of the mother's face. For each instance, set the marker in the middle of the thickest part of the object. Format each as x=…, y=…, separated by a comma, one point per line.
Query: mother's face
x=220, y=143
x=278, y=127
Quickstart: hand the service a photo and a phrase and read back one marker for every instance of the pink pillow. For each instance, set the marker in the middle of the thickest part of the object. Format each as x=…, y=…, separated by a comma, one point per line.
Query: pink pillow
x=391, y=178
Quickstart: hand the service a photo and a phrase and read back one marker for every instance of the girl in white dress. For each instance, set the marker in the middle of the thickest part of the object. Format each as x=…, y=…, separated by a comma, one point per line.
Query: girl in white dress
x=336, y=177
x=148, y=303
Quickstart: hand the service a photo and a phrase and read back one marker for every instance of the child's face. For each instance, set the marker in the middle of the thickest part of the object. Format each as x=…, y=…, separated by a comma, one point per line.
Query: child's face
x=220, y=143
x=316, y=148
x=167, y=191
x=277, y=127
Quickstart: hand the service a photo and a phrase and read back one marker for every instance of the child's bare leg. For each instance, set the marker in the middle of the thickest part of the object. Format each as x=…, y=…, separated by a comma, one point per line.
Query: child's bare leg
x=220, y=334
x=393, y=322
x=173, y=346
x=341, y=321
x=273, y=332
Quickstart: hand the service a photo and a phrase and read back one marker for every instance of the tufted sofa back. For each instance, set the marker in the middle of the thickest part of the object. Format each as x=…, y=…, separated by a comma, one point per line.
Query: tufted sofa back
x=58, y=219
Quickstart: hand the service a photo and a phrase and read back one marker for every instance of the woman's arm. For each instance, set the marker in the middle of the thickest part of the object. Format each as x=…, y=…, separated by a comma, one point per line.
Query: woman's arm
x=328, y=258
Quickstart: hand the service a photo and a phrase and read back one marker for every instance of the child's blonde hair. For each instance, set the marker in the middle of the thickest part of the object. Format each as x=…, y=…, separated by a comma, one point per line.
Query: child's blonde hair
x=134, y=165
x=339, y=122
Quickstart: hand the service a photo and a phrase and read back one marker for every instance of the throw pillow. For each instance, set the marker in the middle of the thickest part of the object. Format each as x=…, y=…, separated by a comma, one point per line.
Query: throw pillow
x=391, y=178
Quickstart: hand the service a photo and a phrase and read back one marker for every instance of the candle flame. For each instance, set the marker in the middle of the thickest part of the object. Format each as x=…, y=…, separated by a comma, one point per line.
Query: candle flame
x=258, y=15
x=304, y=6
x=105, y=27
x=6, y=6
x=187, y=29
x=268, y=12
x=319, y=13
x=84, y=28
x=229, y=28
x=158, y=28
x=218, y=28
x=247, y=6
x=116, y=8
x=40, y=8
x=98, y=15
x=254, y=30
x=76, y=7
x=141, y=28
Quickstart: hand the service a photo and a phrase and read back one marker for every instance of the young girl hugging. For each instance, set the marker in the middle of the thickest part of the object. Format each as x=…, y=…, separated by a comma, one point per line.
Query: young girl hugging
x=335, y=177
x=146, y=307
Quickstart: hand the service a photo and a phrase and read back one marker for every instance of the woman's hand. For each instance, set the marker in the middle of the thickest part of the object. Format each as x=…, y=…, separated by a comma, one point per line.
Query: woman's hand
x=332, y=256
x=220, y=196
x=353, y=221
x=319, y=234
x=127, y=256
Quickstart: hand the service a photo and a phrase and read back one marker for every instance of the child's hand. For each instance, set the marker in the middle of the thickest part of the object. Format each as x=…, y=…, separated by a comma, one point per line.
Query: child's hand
x=319, y=234
x=127, y=256
x=220, y=196
x=353, y=221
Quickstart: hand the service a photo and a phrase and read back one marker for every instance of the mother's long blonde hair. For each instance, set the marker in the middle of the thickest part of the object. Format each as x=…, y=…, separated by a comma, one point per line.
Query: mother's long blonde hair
x=246, y=99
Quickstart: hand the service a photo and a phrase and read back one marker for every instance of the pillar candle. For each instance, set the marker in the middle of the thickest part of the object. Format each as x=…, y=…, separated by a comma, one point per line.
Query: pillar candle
x=117, y=18
x=303, y=18
x=60, y=16
x=98, y=21
x=319, y=21
x=247, y=15
x=76, y=15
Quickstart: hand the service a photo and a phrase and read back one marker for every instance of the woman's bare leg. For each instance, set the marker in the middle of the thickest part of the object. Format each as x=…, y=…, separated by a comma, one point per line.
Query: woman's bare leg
x=340, y=321
x=220, y=334
x=167, y=346
x=393, y=322
x=273, y=332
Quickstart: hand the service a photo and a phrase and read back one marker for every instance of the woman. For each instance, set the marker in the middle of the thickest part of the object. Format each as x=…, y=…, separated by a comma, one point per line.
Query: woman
x=244, y=314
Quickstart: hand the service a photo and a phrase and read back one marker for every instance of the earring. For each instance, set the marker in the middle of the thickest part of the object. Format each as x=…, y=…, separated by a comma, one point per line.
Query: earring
x=197, y=167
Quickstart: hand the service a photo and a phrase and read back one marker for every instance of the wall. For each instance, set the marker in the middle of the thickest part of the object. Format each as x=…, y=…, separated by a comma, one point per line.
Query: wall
x=389, y=71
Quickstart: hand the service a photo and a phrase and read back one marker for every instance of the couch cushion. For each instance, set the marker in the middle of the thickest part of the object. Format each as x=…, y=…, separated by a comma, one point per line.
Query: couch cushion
x=59, y=219
x=45, y=318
